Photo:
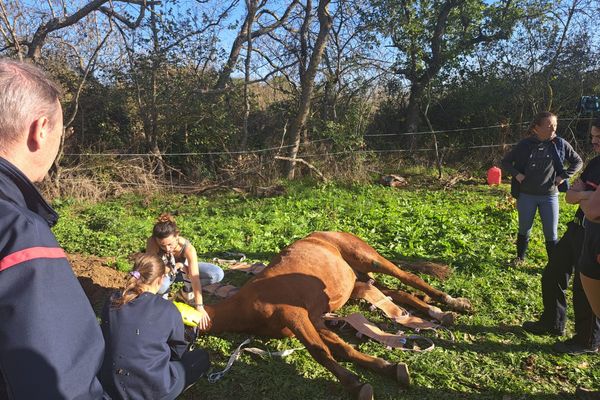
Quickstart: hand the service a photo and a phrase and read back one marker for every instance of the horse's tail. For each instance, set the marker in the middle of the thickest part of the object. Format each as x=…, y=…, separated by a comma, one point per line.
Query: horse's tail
x=437, y=270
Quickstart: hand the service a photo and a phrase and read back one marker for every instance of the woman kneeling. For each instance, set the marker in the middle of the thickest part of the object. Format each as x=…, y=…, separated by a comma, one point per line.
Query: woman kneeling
x=146, y=355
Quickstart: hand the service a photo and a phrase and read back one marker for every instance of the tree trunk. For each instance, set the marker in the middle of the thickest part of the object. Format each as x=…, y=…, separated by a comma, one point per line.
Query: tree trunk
x=308, y=82
x=153, y=133
x=251, y=6
x=236, y=48
x=413, y=109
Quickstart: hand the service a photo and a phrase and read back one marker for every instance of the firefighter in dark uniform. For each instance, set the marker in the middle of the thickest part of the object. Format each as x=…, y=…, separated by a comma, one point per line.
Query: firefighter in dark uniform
x=51, y=346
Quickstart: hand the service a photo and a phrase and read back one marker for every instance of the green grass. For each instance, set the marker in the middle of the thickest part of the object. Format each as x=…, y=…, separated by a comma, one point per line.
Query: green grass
x=471, y=227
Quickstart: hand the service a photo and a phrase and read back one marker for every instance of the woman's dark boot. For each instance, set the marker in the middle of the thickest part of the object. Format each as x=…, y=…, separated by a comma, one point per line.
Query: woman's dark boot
x=522, y=244
x=550, y=244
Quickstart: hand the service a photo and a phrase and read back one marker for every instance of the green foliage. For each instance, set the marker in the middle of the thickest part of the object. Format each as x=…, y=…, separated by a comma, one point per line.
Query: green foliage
x=471, y=228
x=122, y=264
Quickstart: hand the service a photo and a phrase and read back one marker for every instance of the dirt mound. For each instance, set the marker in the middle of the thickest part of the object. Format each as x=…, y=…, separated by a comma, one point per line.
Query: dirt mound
x=96, y=277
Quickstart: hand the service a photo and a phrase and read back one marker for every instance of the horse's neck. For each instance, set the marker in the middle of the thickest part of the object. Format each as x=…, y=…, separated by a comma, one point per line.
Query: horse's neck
x=226, y=316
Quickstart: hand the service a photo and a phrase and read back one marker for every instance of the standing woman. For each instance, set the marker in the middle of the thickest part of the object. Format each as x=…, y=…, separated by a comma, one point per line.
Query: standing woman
x=536, y=164
x=181, y=258
x=146, y=354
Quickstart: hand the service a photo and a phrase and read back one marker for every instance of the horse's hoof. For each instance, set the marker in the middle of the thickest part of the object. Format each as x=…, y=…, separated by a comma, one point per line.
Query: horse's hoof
x=402, y=375
x=461, y=304
x=448, y=319
x=365, y=392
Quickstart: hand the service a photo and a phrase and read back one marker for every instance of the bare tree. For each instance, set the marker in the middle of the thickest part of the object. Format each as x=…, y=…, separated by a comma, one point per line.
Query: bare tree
x=254, y=11
x=308, y=73
x=566, y=22
x=50, y=20
x=69, y=118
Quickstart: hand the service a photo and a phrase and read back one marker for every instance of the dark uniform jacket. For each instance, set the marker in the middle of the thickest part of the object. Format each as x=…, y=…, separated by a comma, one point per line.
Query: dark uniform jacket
x=142, y=338
x=591, y=177
x=589, y=261
x=51, y=346
x=534, y=159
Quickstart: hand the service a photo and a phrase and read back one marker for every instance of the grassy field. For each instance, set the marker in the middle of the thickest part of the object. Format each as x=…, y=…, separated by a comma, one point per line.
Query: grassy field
x=471, y=227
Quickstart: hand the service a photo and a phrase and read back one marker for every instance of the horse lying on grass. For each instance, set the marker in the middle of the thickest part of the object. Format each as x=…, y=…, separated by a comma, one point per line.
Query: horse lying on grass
x=311, y=277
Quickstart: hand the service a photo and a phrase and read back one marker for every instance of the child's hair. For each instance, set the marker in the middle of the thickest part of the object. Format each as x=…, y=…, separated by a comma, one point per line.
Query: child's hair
x=146, y=268
x=165, y=226
x=596, y=122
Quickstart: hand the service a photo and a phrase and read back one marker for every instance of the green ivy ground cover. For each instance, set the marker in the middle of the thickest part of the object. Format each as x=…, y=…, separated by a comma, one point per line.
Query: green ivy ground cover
x=470, y=227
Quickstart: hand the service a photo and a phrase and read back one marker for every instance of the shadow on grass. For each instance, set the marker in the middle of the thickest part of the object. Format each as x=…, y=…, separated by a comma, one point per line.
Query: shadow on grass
x=490, y=347
x=254, y=378
x=443, y=394
x=482, y=345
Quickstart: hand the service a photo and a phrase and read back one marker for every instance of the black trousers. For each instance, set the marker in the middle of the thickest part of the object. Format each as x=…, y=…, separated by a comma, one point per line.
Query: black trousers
x=191, y=367
x=555, y=282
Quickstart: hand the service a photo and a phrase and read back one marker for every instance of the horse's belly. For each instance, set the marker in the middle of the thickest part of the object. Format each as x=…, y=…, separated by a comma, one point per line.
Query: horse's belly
x=339, y=285
x=320, y=275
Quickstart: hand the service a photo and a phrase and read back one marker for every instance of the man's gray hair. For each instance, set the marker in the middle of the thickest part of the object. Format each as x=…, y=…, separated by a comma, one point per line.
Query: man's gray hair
x=26, y=93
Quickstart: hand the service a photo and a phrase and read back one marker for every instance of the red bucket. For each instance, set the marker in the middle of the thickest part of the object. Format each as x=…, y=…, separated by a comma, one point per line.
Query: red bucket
x=494, y=176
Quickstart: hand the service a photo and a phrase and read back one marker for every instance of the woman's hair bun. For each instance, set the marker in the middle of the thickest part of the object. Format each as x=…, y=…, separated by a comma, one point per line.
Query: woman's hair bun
x=165, y=217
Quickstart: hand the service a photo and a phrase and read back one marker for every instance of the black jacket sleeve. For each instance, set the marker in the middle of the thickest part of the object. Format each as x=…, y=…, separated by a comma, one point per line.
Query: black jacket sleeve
x=510, y=159
x=574, y=160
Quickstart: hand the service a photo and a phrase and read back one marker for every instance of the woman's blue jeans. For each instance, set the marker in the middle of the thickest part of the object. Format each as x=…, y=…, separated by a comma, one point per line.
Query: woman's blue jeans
x=528, y=204
x=209, y=274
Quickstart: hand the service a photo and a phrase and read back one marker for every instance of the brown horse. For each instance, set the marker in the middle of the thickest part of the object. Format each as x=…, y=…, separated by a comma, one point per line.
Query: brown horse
x=313, y=276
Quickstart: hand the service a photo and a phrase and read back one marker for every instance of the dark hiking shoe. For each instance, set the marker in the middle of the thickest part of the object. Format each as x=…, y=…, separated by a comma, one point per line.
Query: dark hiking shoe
x=538, y=328
x=586, y=394
x=516, y=262
x=573, y=348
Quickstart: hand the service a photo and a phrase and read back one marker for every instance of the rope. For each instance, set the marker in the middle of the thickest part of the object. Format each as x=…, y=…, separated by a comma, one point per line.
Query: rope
x=195, y=154
x=448, y=131
x=215, y=376
x=323, y=140
x=263, y=353
x=303, y=155
x=391, y=341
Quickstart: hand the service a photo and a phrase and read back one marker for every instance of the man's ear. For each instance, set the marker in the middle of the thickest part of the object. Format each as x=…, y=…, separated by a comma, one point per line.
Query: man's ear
x=38, y=133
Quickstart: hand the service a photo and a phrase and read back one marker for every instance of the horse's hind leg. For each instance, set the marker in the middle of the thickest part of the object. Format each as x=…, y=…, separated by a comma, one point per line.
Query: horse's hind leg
x=382, y=265
x=299, y=323
x=344, y=351
x=407, y=299
x=364, y=259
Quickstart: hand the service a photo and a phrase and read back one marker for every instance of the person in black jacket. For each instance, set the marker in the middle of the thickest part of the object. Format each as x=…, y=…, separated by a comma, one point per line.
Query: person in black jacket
x=589, y=265
x=555, y=279
x=146, y=353
x=51, y=346
x=536, y=164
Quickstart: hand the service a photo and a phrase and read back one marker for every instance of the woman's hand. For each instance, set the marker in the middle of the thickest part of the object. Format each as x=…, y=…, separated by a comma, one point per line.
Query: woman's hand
x=558, y=180
x=179, y=266
x=520, y=177
x=204, y=322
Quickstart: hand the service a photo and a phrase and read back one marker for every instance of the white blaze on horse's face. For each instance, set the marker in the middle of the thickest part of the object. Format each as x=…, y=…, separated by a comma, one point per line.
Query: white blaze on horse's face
x=168, y=244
